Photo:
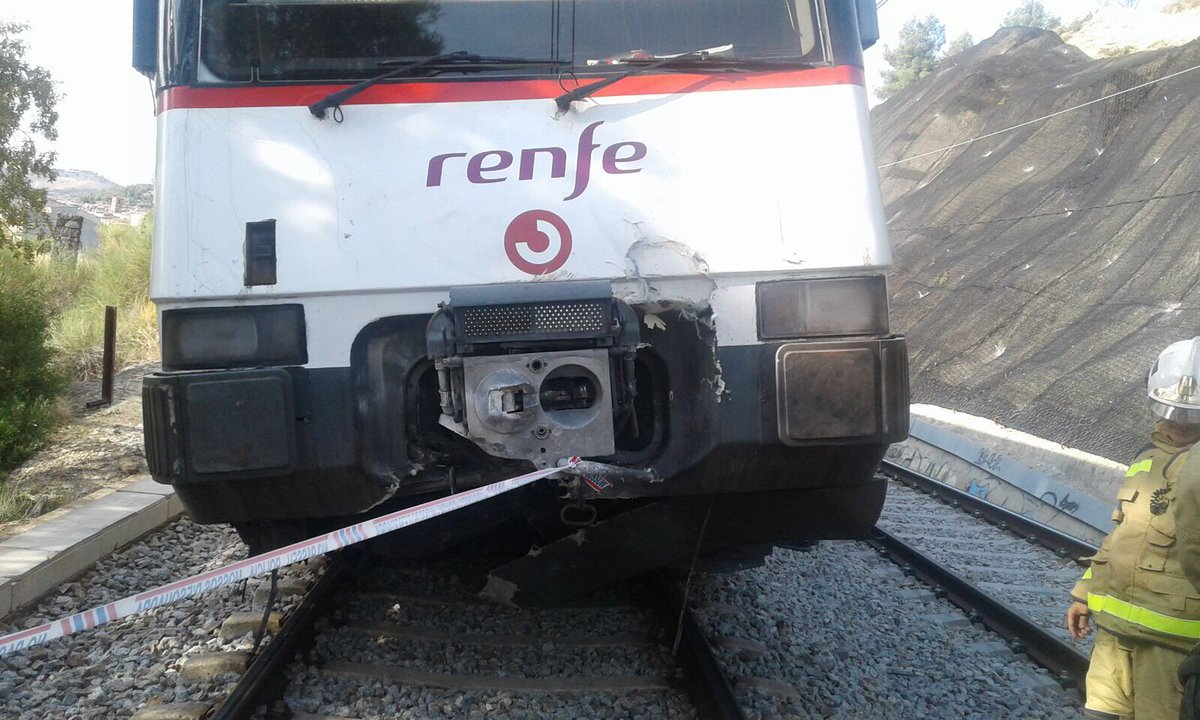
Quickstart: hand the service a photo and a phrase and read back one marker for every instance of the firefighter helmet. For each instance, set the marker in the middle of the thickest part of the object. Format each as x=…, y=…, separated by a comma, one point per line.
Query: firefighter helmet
x=1173, y=385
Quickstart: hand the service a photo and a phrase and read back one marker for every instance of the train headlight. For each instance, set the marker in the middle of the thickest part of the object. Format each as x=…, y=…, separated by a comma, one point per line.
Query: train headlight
x=233, y=337
x=822, y=308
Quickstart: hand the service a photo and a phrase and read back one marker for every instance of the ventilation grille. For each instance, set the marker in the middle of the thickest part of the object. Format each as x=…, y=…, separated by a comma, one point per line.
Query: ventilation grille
x=562, y=319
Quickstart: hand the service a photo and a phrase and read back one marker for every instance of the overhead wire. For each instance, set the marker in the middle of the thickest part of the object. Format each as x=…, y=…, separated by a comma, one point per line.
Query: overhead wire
x=1068, y=212
x=1040, y=119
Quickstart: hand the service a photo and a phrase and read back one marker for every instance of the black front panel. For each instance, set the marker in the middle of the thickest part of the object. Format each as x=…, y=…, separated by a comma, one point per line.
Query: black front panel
x=243, y=424
x=849, y=391
x=829, y=395
x=845, y=391
x=240, y=424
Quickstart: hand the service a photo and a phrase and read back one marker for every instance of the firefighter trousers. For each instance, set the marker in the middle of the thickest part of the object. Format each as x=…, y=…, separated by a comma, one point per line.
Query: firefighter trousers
x=1133, y=679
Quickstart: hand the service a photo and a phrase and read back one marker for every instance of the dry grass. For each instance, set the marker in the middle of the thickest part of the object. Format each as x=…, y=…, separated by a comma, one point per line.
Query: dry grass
x=17, y=504
x=52, y=327
x=117, y=274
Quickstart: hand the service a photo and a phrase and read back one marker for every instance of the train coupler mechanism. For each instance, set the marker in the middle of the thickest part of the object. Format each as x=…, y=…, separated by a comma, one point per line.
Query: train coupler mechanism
x=535, y=372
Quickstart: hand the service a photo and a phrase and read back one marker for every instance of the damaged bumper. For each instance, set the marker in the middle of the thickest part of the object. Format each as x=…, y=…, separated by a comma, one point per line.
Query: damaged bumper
x=659, y=406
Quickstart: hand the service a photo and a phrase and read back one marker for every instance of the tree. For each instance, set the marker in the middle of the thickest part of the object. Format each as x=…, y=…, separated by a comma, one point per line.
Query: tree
x=958, y=45
x=914, y=57
x=1031, y=14
x=27, y=114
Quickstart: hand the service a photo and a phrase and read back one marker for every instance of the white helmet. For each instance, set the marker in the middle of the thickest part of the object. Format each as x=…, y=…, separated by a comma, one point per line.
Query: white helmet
x=1174, y=383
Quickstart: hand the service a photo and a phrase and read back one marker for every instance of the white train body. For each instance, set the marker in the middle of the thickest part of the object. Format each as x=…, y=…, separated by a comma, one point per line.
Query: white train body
x=450, y=277
x=733, y=183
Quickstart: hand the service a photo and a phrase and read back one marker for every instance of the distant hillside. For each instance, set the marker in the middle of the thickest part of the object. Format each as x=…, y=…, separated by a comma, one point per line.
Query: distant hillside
x=73, y=184
x=80, y=186
x=1040, y=271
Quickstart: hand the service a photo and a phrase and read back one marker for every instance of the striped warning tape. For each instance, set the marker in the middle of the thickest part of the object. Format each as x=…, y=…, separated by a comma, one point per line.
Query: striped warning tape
x=265, y=563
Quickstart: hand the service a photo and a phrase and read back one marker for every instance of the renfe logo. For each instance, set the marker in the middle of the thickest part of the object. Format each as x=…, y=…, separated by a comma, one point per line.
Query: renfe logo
x=494, y=166
x=538, y=242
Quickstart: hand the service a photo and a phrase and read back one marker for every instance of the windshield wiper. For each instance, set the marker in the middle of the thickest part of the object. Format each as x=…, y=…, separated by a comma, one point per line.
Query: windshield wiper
x=460, y=60
x=643, y=64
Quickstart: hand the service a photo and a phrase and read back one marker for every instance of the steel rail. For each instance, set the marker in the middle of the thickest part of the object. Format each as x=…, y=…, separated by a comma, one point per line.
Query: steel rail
x=1006, y=519
x=265, y=674
x=710, y=689
x=1057, y=656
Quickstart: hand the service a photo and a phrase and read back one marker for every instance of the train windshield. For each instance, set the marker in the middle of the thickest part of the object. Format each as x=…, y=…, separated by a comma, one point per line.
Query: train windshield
x=298, y=40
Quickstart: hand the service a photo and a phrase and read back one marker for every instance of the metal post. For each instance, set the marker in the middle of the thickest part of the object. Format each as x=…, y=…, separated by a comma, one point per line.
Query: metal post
x=110, y=358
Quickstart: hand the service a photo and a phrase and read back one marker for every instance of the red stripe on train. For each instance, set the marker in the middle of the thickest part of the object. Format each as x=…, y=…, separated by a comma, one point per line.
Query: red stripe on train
x=405, y=93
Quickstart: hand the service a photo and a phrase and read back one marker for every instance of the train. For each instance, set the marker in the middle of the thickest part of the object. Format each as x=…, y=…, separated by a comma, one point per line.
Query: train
x=407, y=247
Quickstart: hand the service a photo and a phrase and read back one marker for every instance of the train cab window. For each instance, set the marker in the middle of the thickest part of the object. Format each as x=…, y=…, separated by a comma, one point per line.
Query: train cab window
x=301, y=40
x=757, y=29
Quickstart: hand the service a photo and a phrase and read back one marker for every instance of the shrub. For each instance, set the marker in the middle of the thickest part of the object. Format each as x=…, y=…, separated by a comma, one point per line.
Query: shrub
x=52, y=326
x=28, y=384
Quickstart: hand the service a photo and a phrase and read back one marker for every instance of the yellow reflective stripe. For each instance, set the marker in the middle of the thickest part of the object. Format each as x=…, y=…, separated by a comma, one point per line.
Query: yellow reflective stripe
x=1088, y=575
x=1143, y=466
x=1146, y=618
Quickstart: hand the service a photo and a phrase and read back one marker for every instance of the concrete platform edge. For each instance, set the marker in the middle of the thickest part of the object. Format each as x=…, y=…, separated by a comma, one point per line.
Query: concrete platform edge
x=1037, y=478
x=1082, y=506
x=31, y=565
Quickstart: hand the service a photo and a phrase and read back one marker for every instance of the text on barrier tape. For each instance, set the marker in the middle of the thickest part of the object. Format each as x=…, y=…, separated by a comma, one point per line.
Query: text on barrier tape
x=265, y=563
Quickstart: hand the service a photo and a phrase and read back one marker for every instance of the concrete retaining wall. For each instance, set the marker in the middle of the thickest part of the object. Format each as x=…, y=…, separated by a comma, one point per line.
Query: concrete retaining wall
x=1062, y=487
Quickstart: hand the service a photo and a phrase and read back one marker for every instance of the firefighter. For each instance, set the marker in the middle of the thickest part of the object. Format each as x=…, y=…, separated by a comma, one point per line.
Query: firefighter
x=1136, y=589
x=1187, y=533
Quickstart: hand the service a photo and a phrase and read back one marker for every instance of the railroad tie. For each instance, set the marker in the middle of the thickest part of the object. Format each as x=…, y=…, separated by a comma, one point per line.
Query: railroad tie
x=405, y=676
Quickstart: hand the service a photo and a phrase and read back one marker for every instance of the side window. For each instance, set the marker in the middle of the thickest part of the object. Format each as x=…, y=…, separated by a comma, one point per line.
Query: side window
x=177, y=46
x=169, y=48
x=225, y=42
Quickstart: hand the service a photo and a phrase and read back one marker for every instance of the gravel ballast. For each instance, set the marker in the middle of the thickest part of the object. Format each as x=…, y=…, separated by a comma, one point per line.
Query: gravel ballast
x=855, y=638
x=441, y=597
x=314, y=692
x=836, y=632
x=113, y=670
x=484, y=618
x=1026, y=576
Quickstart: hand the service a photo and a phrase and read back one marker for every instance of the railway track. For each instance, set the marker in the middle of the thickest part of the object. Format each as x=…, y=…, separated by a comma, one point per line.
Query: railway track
x=415, y=641
x=1012, y=574
x=394, y=640
x=398, y=640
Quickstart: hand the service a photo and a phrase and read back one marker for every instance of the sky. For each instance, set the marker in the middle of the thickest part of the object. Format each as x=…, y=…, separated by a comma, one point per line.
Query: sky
x=106, y=113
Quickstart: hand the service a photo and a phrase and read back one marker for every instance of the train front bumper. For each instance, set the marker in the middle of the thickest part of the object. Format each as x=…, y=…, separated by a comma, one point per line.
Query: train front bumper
x=284, y=443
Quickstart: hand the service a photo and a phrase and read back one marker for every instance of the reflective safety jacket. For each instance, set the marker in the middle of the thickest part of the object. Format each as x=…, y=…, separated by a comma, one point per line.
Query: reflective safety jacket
x=1136, y=587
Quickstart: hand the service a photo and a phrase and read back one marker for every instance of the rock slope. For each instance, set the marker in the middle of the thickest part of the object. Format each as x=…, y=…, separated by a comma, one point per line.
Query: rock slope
x=1039, y=272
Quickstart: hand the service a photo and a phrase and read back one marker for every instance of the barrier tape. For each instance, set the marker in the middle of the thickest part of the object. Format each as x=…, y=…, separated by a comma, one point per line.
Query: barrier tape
x=265, y=563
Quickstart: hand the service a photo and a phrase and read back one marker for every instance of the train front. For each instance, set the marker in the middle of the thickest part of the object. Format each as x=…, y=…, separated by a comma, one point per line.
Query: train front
x=486, y=258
